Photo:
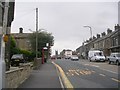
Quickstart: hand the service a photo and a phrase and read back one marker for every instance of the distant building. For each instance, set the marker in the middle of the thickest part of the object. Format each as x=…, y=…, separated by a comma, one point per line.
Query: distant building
x=115, y=40
x=66, y=53
x=22, y=40
x=56, y=52
x=104, y=43
x=108, y=43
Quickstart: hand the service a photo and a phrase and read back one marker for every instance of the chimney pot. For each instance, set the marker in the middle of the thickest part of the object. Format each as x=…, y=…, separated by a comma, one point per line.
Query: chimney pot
x=109, y=31
x=103, y=34
x=98, y=35
x=20, y=30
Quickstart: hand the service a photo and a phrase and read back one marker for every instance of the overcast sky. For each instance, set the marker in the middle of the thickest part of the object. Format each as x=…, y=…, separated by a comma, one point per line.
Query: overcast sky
x=65, y=20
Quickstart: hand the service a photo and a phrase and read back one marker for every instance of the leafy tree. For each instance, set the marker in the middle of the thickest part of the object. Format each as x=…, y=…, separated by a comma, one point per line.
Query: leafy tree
x=15, y=50
x=43, y=38
x=13, y=47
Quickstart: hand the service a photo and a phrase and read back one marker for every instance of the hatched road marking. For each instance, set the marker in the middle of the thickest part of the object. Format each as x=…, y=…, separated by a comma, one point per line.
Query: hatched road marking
x=79, y=72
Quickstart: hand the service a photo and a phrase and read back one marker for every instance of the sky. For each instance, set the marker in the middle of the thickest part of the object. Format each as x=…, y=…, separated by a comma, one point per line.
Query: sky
x=65, y=19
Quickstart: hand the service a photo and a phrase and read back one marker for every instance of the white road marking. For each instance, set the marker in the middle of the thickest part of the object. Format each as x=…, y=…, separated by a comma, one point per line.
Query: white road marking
x=94, y=65
x=91, y=65
x=81, y=72
x=86, y=68
x=64, y=78
x=77, y=73
x=109, y=71
x=102, y=75
x=61, y=83
x=92, y=71
x=115, y=80
x=101, y=68
x=86, y=64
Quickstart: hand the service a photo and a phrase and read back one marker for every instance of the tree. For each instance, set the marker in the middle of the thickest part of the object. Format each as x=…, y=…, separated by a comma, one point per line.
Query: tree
x=43, y=38
x=13, y=47
x=29, y=55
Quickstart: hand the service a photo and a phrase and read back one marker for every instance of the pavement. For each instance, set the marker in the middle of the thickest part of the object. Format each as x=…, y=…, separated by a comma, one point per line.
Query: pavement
x=46, y=76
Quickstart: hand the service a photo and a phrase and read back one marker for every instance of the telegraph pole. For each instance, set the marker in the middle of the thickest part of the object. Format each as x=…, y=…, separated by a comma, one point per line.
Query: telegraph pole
x=2, y=44
x=36, y=33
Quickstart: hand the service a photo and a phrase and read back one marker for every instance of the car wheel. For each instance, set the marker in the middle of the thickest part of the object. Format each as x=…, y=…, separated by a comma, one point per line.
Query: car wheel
x=90, y=60
x=117, y=62
x=109, y=62
x=103, y=60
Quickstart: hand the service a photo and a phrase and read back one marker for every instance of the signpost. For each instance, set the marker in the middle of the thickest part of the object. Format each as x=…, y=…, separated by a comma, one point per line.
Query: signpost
x=3, y=28
x=2, y=63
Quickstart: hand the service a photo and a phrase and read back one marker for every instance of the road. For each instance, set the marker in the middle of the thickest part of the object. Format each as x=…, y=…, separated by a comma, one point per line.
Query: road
x=85, y=74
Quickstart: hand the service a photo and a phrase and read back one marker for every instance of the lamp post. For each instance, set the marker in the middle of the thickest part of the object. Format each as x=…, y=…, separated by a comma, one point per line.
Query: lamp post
x=90, y=30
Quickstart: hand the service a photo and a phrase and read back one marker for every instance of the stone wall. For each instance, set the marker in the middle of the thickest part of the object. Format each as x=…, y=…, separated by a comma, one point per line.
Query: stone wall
x=17, y=76
x=37, y=63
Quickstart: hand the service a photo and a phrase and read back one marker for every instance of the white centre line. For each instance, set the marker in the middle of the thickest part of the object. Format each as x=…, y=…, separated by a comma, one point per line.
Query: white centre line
x=115, y=80
x=101, y=68
x=109, y=71
x=102, y=75
x=94, y=65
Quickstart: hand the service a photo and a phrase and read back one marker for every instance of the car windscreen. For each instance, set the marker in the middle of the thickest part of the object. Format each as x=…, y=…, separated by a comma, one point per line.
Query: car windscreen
x=99, y=54
x=118, y=55
x=17, y=56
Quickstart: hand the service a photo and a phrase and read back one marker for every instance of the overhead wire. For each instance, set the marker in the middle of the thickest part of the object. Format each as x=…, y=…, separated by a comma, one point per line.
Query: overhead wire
x=25, y=14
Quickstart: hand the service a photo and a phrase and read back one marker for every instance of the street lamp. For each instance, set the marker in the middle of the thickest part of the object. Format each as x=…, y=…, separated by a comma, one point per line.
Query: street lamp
x=90, y=30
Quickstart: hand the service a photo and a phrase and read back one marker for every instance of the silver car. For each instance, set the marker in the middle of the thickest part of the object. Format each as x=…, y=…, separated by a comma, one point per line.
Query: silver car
x=115, y=58
x=74, y=58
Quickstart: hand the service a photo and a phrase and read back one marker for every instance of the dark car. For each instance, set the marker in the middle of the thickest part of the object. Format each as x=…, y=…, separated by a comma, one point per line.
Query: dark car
x=58, y=57
x=16, y=59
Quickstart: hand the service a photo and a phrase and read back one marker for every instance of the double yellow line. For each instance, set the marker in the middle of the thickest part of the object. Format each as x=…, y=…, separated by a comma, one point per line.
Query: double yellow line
x=65, y=80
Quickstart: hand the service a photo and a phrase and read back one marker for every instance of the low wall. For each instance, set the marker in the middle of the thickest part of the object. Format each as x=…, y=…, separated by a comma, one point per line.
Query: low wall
x=37, y=63
x=17, y=76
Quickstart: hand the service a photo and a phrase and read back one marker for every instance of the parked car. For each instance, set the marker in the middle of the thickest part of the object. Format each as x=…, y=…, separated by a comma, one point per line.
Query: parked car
x=115, y=58
x=58, y=57
x=96, y=55
x=74, y=58
x=107, y=58
x=67, y=57
x=16, y=59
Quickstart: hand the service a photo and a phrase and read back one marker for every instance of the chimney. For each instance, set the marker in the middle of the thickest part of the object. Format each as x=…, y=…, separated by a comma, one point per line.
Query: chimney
x=20, y=30
x=90, y=39
x=98, y=35
x=109, y=31
x=117, y=27
x=103, y=34
x=94, y=37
